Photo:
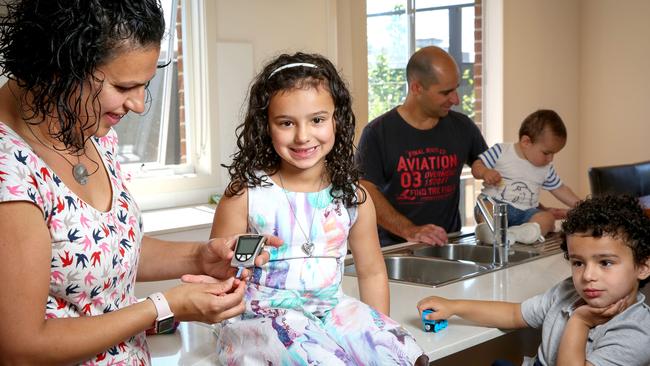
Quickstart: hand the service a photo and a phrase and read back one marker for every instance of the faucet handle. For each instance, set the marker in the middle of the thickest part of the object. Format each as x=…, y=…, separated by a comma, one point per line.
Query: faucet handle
x=489, y=199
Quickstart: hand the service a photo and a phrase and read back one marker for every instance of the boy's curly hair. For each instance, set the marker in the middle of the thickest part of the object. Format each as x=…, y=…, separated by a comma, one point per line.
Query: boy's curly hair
x=52, y=50
x=617, y=216
x=255, y=149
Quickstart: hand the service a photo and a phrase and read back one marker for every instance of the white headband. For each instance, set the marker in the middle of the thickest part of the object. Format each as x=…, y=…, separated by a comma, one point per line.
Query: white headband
x=288, y=66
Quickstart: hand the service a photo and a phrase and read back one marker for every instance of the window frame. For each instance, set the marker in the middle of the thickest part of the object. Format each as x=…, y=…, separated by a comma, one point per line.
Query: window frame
x=162, y=186
x=455, y=38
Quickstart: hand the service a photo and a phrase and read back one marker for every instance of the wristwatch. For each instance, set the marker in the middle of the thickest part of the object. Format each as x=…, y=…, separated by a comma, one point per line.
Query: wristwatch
x=165, y=320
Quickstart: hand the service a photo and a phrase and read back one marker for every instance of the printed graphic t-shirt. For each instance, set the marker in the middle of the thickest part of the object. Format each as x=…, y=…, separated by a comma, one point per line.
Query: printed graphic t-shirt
x=419, y=170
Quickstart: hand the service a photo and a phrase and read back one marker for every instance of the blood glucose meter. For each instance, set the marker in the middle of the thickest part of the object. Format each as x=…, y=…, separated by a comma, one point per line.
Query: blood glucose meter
x=247, y=249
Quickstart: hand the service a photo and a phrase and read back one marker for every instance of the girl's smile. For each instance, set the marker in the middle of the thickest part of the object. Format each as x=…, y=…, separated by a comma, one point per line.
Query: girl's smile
x=303, y=153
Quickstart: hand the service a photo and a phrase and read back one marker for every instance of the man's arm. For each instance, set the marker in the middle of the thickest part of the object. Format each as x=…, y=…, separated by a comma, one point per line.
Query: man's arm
x=392, y=220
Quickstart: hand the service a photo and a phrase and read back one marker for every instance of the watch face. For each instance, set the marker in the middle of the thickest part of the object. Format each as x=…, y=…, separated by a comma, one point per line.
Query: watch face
x=165, y=325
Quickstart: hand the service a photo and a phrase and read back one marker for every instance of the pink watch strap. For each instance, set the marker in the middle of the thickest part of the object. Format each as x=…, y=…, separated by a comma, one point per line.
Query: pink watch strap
x=161, y=304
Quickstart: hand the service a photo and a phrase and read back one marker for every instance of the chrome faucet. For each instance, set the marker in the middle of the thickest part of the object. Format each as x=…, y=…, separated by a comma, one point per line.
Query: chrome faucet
x=498, y=224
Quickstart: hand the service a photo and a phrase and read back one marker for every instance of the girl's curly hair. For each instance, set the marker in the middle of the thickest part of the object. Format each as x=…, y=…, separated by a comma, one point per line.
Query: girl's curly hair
x=255, y=150
x=617, y=216
x=52, y=49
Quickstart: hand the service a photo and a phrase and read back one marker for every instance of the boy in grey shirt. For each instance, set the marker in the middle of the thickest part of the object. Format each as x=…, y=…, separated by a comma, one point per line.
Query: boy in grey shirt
x=596, y=317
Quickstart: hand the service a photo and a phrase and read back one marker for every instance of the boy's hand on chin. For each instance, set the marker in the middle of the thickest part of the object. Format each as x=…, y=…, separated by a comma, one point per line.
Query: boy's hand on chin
x=592, y=316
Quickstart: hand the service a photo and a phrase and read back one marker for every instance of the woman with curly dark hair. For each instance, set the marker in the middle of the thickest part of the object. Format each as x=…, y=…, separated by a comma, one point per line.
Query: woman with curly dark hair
x=293, y=176
x=72, y=245
x=595, y=317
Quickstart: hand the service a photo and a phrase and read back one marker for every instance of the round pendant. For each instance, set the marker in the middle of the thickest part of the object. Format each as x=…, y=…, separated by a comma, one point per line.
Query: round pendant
x=308, y=247
x=80, y=173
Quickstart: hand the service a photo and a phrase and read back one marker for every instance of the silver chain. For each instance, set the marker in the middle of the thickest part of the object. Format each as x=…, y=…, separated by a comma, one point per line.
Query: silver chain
x=79, y=170
x=308, y=245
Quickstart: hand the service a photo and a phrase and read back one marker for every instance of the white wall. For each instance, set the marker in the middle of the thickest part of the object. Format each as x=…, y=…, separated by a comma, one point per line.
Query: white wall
x=275, y=27
x=614, y=84
x=587, y=60
x=541, y=70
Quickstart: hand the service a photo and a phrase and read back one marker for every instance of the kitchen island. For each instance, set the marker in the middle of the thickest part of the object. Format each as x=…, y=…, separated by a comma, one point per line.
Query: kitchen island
x=194, y=343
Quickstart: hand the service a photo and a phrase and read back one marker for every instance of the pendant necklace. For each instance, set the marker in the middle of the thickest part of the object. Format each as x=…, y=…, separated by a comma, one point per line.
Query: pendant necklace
x=79, y=170
x=308, y=246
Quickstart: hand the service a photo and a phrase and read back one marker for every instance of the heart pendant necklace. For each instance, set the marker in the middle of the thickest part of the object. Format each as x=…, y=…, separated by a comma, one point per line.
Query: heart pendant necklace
x=308, y=246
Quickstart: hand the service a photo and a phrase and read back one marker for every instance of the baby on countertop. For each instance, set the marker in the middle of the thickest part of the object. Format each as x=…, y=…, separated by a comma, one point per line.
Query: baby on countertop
x=515, y=173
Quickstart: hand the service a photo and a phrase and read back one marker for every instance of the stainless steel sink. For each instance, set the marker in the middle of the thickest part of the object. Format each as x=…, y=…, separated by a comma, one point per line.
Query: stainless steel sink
x=463, y=258
x=426, y=271
x=470, y=252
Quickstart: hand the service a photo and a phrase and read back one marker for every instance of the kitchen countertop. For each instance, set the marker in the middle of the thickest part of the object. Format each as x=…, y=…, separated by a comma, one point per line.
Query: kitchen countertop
x=194, y=343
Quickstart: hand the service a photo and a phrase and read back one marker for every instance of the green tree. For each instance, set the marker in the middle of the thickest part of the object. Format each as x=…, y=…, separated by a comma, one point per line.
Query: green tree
x=468, y=98
x=386, y=87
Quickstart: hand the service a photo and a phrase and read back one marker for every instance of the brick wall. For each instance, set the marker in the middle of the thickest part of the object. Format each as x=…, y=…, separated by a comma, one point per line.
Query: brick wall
x=478, y=63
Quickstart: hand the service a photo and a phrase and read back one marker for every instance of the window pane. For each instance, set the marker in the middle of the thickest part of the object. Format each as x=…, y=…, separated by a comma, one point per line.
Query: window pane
x=139, y=134
x=156, y=136
x=166, y=46
x=388, y=54
x=388, y=35
x=432, y=29
x=468, y=34
x=383, y=6
x=419, y=4
x=466, y=91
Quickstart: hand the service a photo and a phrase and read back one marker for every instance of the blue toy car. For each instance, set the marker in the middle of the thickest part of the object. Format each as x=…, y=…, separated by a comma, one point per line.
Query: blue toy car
x=432, y=325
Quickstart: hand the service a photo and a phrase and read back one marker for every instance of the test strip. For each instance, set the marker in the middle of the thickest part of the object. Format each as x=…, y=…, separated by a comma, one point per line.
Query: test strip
x=239, y=272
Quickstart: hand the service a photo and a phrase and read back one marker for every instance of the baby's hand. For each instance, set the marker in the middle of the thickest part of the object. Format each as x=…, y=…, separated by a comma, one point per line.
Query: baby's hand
x=491, y=177
x=558, y=213
x=592, y=316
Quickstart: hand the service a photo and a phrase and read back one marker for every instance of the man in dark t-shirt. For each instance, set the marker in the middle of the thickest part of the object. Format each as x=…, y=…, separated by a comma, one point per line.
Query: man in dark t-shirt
x=412, y=156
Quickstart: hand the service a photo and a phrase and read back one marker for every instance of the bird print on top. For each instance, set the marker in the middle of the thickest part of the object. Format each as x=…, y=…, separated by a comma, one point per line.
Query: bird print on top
x=94, y=254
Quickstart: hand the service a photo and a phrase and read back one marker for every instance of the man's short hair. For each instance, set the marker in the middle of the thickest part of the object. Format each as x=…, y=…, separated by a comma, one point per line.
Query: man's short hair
x=420, y=68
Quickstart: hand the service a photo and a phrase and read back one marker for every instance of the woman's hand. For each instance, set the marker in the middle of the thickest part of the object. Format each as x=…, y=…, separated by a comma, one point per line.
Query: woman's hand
x=206, y=299
x=215, y=256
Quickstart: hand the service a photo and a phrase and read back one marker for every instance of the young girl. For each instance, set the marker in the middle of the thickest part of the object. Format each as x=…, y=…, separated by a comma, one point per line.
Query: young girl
x=293, y=177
